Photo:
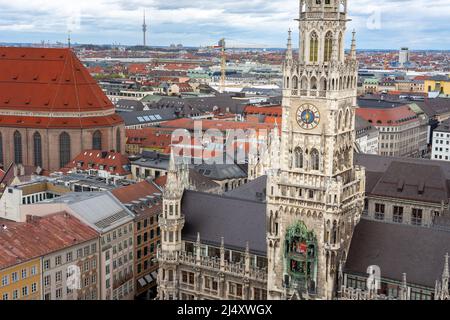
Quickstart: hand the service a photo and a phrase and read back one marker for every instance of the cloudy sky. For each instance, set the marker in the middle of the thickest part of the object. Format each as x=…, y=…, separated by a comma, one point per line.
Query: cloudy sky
x=380, y=24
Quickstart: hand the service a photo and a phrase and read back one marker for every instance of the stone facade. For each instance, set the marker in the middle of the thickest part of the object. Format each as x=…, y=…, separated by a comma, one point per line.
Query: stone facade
x=80, y=140
x=316, y=198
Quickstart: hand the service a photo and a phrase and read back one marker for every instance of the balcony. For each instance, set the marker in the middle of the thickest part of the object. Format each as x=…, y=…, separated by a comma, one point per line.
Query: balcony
x=213, y=263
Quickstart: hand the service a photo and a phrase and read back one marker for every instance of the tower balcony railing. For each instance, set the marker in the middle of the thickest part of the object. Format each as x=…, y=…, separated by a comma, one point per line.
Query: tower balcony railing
x=322, y=15
x=332, y=246
x=214, y=264
x=310, y=93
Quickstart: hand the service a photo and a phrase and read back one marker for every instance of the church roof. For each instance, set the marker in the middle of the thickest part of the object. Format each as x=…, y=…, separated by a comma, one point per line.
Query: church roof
x=47, y=80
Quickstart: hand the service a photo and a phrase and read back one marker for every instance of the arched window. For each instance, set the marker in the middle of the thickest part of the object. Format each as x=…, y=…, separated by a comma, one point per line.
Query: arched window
x=295, y=82
x=347, y=118
x=37, y=149
x=314, y=47
x=328, y=46
x=315, y=160
x=18, y=148
x=64, y=149
x=97, y=140
x=323, y=84
x=313, y=83
x=298, y=158
x=1, y=149
x=287, y=82
x=304, y=83
x=118, y=141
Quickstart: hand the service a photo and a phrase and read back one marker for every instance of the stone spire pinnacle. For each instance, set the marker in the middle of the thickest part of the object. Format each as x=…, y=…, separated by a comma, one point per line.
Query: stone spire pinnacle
x=172, y=166
x=353, y=47
x=445, y=274
x=289, y=46
x=174, y=184
x=445, y=280
x=404, y=289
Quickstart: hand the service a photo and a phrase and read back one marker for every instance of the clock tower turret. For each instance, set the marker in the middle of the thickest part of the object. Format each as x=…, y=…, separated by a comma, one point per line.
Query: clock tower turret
x=316, y=198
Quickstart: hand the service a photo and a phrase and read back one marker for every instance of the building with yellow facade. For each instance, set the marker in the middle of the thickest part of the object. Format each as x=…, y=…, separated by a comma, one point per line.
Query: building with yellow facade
x=21, y=281
x=439, y=84
x=35, y=255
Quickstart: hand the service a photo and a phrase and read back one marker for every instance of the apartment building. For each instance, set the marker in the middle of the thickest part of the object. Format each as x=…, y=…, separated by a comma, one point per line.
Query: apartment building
x=114, y=224
x=402, y=132
x=367, y=136
x=441, y=142
x=28, y=192
x=144, y=200
x=72, y=273
x=35, y=256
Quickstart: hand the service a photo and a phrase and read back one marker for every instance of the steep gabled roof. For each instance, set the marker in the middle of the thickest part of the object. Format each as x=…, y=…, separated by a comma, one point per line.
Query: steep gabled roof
x=398, y=248
x=49, y=80
x=214, y=216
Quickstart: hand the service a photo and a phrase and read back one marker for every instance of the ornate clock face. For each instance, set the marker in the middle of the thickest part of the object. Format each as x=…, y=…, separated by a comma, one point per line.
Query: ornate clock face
x=308, y=116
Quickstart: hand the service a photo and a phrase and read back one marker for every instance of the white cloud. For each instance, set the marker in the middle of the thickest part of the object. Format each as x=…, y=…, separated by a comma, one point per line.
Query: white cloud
x=418, y=23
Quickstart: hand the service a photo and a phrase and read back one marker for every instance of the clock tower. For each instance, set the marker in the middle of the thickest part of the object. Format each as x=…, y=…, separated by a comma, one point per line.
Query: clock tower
x=316, y=197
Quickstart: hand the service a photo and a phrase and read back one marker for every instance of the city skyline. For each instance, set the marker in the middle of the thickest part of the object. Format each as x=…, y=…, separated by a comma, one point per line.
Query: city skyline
x=201, y=23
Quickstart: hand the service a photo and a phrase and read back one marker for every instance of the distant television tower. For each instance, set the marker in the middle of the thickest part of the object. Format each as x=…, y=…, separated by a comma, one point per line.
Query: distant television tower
x=144, y=31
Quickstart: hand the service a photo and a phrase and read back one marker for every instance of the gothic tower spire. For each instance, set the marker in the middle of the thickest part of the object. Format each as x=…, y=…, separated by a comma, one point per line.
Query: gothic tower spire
x=171, y=223
x=317, y=197
x=289, y=46
x=353, y=48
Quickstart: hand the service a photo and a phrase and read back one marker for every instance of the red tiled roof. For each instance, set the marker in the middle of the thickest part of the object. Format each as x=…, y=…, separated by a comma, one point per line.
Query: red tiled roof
x=422, y=78
x=149, y=137
x=99, y=158
x=186, y=123
x=161, y=181
x=137, y=68
x=135, y=192
x=50, y=80
x=270, y=111
x=21, y=242
x=272, y=120
x=387, y=116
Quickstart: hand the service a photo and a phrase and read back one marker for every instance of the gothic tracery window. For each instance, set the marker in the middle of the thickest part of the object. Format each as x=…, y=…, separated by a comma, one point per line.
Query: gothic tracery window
x=64, y=149
x=37, y=149
x=295, y=82
x=328, y=46
x=118, y=141
x=18, y=147
x=315, y=164
x=97, y=140
x=298, y=158
x=314, y=47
